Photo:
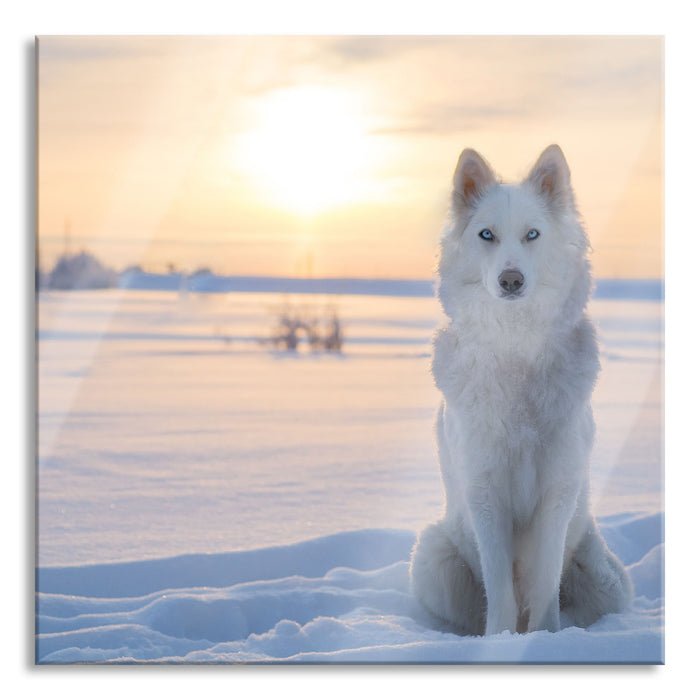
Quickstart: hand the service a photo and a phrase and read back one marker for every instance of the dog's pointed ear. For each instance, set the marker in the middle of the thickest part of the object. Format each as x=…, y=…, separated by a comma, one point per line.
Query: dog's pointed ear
x=551, y=178
x=473, y=176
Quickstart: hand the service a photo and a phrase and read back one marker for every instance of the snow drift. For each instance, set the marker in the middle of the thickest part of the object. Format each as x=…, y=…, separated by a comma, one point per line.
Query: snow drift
x=174, y=526
x=341, y=598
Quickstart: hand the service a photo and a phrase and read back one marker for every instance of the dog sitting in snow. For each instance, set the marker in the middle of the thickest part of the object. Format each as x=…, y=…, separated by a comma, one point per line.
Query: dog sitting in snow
x=516, y=364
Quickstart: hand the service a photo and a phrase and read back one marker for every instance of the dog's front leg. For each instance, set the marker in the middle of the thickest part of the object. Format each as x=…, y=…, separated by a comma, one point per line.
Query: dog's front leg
x=544, y=555
x=493, y=527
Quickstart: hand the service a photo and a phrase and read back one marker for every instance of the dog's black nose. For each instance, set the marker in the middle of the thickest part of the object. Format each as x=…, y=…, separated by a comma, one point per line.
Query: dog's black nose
x=511, y=280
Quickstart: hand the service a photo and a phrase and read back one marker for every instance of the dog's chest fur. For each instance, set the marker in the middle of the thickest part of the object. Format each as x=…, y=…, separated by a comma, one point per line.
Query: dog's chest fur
x=503, y=407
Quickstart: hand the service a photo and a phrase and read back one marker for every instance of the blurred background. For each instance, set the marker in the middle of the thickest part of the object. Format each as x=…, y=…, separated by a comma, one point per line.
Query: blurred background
x=333, y=156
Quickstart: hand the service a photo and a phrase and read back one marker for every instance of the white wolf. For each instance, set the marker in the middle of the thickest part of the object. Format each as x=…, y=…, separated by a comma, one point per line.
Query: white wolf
x=516, y=364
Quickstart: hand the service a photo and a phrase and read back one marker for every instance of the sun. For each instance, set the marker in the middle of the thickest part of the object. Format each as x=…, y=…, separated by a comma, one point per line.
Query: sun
x=309, y=150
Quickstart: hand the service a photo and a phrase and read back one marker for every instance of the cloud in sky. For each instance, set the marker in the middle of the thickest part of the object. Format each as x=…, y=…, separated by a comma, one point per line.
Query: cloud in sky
x=138, y=139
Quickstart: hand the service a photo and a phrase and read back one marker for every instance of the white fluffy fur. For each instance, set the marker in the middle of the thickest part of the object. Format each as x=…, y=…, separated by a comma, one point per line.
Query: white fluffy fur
x=517, y=544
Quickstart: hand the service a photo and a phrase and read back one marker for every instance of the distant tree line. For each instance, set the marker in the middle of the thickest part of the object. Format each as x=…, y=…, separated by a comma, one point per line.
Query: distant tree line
x=84, y=271
x=79, y=271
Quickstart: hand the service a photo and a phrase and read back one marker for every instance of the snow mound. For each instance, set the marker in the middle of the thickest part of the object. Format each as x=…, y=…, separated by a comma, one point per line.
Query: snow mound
x=344, y=598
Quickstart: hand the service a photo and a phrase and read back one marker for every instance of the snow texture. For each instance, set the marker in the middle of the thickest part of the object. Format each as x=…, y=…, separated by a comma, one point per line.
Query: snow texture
x=342, y=598
x=203, y=499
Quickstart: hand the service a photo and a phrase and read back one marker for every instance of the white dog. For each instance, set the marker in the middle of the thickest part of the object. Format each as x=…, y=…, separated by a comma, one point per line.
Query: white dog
x=516, y=364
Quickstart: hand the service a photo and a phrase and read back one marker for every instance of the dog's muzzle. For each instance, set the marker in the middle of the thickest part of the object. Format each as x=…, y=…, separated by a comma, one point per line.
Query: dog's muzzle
x=511, y=282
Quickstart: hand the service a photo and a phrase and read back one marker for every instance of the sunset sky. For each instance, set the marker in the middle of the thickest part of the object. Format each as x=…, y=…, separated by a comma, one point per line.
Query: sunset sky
x=333, y=156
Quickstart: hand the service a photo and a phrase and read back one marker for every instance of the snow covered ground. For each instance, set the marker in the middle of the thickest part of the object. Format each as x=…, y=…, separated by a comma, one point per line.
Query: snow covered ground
x=203, y=498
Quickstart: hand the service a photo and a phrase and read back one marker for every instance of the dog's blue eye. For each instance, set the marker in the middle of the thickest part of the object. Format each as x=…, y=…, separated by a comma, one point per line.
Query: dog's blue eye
x=532, y=234
x=486, y=235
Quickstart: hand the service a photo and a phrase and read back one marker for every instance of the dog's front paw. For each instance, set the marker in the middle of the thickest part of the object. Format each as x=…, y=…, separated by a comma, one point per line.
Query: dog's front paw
x=545, y=617
x=502, y=618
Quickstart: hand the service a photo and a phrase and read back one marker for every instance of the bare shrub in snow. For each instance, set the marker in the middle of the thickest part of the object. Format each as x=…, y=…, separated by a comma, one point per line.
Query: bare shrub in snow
x=322, y=331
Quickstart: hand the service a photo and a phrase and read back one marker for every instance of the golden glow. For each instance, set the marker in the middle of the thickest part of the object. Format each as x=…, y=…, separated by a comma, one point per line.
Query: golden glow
x=309, y=151
x=248, y=154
